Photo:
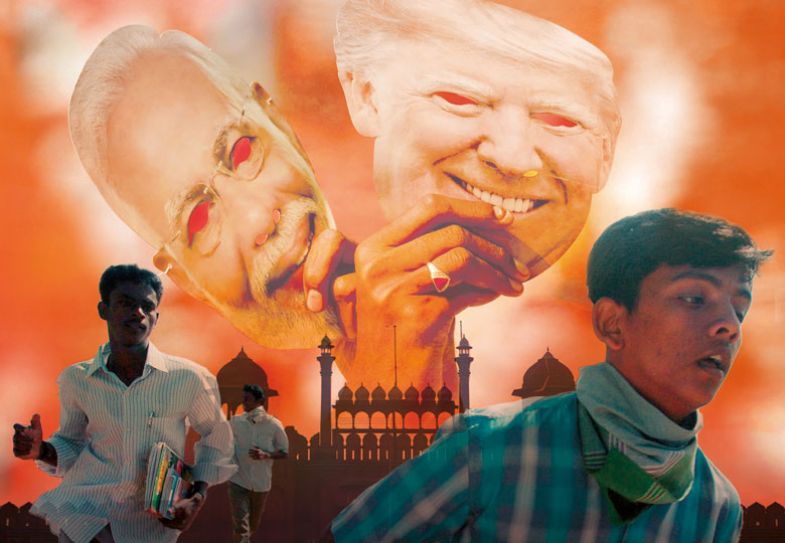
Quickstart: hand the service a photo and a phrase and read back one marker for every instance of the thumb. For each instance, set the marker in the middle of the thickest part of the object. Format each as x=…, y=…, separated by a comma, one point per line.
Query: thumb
x=35, y=422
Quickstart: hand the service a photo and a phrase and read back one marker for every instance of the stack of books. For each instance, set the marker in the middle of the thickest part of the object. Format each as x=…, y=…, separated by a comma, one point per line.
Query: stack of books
x=168, y=479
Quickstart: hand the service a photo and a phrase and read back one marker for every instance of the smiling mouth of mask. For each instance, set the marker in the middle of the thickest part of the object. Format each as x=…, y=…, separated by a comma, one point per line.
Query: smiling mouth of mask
x=515, y=205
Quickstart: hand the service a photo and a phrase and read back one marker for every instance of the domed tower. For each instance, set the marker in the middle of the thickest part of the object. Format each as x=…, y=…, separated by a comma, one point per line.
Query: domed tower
x=463, y=360
x=239, y=371
x=361, y=402
x=546, y=377
x=411, y=398
x=428, y=396
x=378, y=396
x=344, y=401
x=445, y=403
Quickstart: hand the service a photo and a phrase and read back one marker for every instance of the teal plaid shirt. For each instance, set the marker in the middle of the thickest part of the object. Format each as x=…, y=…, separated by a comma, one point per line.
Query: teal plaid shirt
x=513, y=473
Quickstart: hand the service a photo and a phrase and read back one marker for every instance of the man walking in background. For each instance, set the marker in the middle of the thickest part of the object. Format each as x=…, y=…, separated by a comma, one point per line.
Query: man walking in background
x=259, y=438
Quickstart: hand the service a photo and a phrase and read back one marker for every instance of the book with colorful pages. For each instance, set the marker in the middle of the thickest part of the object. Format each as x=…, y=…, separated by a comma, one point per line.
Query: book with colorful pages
x=168, y=479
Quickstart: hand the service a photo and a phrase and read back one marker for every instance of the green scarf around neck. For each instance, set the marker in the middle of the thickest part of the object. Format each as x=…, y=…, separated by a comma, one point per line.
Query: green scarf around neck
x=631, y=448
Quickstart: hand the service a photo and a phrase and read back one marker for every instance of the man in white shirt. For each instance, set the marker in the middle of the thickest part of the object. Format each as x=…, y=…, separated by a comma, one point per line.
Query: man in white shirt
x=258, y=439
x=113, y=409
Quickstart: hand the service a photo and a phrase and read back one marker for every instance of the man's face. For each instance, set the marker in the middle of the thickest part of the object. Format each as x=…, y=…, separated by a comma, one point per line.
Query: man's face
x=479, y=126
x=232, y=202
x=250, y=402
x=130, y=313
x=683, y=335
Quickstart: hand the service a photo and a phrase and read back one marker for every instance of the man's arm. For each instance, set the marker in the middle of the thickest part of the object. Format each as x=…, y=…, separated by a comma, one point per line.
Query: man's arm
x=214, y=452
x=425, y=499
x=280, y=443
x=57, y=455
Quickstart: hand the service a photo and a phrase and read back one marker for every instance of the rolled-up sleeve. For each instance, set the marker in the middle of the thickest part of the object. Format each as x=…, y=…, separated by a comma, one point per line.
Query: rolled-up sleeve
x=215, y=450
x=71, y=437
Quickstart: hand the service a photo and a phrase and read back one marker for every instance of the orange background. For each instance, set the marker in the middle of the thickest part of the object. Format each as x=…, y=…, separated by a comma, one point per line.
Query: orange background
x=701, y=93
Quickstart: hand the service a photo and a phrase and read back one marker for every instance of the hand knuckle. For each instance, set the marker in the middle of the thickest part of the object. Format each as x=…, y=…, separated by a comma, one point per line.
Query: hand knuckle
x=458, y=258
x=456, y=235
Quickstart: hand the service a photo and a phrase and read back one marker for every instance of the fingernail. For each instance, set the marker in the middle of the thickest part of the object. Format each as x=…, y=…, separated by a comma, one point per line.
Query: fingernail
x=516, y=285
x=276, y=215
x=313, y=301
x=522, y=268
x=504, y=216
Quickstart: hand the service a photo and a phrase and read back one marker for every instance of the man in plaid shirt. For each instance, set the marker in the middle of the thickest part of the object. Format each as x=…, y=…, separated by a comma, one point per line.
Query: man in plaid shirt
x=618, y=459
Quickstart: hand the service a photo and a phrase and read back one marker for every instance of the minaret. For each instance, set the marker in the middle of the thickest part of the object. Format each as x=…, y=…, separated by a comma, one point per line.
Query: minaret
x=463, y=360
x=326, y=362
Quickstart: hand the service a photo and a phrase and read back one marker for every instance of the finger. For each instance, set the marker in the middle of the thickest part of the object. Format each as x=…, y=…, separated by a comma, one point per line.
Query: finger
x=330, y=254
x=345, y=294
x=35, y=422
x=434, y=211
x=168, y=523
x=464, y=268
x=19, y=427
x=429, y=246
x=23, y=439
x=22, y=451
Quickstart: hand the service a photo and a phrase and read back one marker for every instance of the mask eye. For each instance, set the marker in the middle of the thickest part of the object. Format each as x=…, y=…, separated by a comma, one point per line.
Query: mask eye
x=198, y=220
x=456, y=99
x=552, y=119
x=241, y=151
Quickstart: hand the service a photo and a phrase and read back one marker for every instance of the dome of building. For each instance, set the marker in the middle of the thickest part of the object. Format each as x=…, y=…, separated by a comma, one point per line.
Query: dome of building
x=395, y=393
x=325, y=344
x=445, y=394
x=412, y=393
x=345, y=393
x=464, y=343
x=428, y=394
x=361, y=394
x=378, y=393
x=236, y=373
x=546, y=377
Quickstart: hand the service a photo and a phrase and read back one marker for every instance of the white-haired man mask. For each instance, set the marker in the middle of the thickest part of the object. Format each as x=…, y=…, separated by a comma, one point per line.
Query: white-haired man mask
x=205, y=169
x=492, y=128
x=478, y=101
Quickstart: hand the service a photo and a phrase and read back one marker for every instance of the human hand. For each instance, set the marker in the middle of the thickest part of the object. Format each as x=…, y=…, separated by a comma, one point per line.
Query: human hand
x=393, y=285
x=184, y=512
x=28, y=440
x=328, y=277
x=258, y=454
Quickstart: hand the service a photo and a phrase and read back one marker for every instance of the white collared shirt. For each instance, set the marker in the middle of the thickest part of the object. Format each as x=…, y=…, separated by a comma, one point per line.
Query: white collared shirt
x=257, y=428
x=106, y=432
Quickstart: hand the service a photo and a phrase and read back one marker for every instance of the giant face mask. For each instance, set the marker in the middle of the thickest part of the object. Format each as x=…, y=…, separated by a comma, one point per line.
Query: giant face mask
x=226, y=192
x=476, y=125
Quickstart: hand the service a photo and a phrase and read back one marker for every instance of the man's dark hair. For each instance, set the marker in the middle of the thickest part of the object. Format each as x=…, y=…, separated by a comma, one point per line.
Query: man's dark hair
x=632, y=248
x=256, y=391
x=128, y=273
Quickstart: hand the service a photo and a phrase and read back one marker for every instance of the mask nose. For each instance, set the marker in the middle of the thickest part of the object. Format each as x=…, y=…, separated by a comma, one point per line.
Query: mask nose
x=262, y=237
x=509, y=144
x=254, y=216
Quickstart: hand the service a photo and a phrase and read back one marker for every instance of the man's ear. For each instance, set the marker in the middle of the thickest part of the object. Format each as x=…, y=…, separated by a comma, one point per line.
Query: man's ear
x=361, y=100
x=103, y=309
x=607, y=317
x=264, y=99
x=169, y=266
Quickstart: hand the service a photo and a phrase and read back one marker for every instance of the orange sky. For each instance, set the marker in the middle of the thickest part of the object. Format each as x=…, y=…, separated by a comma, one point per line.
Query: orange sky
x=700, y=89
